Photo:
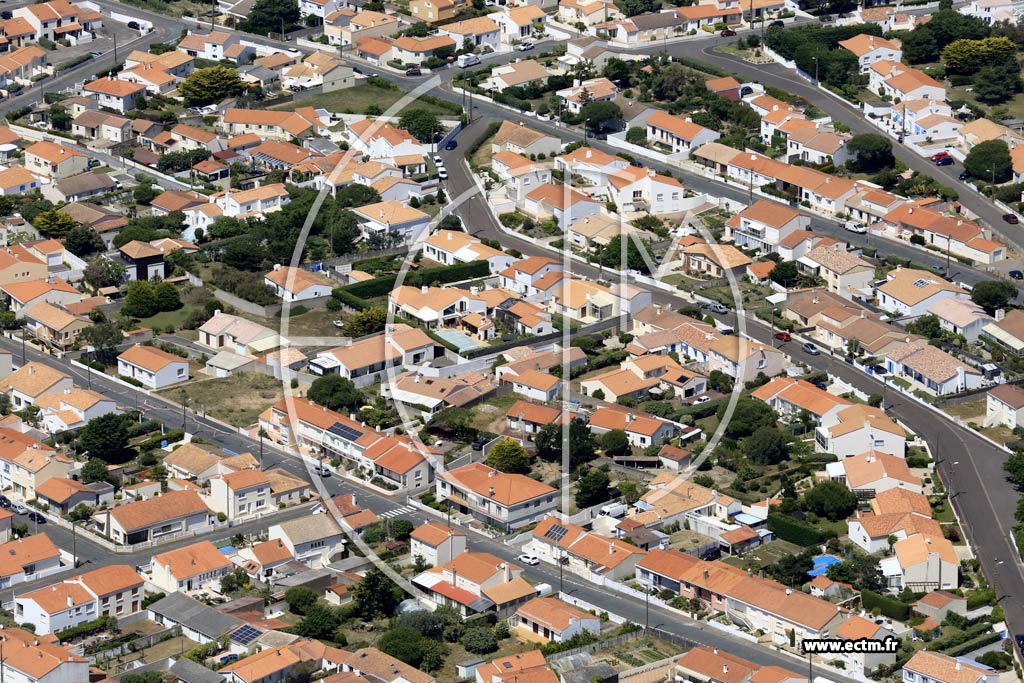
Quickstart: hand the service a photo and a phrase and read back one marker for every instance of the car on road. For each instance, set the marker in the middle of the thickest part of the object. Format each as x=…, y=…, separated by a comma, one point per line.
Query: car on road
x=811, y=348
x=854, y=226
x=940, y=155
x=134, y=25
x=825, y=18
x=18, y=509
x=5, y=502
x=321, y=470
x=716, y=307
x=727, y=33
x=1011, y=218
x=6, y=14
x=442, y=173
x=963, y=176
x=783, y=336
x=450, y=145
x=1017, y=274
x=1020, y=641
x=438, y=161
x=778, y=23
x=527, y=558
x=524, y=46
x=945, y=161
x=36, y=517
x=413, y=71
x=701, y=399
x=95, y=53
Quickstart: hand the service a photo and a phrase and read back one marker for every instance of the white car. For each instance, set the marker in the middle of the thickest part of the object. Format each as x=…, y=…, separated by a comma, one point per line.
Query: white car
x=524, y=46
x=442, y=173
x=701, y=399
x=854, y=226
x=438, y=161
x=527, y=558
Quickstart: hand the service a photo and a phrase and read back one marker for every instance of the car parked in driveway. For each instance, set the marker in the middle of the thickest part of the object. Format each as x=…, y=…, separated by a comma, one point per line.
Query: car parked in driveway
x=701, y=399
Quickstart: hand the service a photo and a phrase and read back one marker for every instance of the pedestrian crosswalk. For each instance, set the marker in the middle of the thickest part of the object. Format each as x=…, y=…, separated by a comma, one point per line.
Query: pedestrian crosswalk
x=398, y=512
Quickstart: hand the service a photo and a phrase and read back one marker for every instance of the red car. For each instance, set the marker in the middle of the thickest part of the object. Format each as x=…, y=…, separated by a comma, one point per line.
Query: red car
x=783, y=336
x=941, y=155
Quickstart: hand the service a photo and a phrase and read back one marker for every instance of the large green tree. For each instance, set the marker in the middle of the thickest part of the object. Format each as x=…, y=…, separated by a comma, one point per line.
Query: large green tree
x=993, y=294
x=832, y=500
x=370, y=321
x=336, y=393
x=104, y=337
x=964, y=56
x=212, y=84
x=422, y=124
x=598, y=113
x=996, y=83
x=749, y=416
x=267, y=16
x=54, y=224
x=592, y=487
x=872, y=151
x=508, y=456
x=105, y=437
x=94, y=470
x=615, y=443
x=766, y=446
x=611, y=255
x=83, y=241
x=140, y=301
x=989, y=161
x=376, y=596
x=582, y=443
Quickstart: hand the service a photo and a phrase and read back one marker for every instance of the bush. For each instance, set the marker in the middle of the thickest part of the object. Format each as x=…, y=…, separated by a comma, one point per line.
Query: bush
x=890, y=607
x=794, y=531
x=479, y=641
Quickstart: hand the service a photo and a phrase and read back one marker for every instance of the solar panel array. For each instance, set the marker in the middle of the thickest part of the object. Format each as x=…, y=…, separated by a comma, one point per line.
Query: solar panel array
x=345, y=432
x=244, y=635
x=556, y=533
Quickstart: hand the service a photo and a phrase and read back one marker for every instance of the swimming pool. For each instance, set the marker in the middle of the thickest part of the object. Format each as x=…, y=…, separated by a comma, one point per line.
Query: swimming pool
x=822, y=563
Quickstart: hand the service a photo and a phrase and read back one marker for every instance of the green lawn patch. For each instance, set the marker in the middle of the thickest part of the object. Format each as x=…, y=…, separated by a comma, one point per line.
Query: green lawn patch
x=355, y=100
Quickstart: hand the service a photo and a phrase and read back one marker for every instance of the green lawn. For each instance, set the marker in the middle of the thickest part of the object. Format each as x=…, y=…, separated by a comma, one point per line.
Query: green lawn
x=166, y=319
x=355, y=101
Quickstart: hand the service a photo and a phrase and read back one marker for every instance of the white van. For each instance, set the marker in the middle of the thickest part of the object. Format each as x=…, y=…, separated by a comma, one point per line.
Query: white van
x=614, y=510
x=854, y=226
x=467, y=60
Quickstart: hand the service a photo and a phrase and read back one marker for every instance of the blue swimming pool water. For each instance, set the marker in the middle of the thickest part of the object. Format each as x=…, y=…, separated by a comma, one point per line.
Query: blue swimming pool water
x=822, y=563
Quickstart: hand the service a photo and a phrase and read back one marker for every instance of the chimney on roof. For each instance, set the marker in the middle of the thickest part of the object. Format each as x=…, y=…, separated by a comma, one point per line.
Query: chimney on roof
x=629, y=418
x=958, y=665
x=714, y=651
x=707, y=575
x=490, y=491
x=31, y=369
x=492, y=473
x=910, y=210
x=725, y=668
x=71, y=601
x=1000, y=314
x=424, y=289
x=789, y=591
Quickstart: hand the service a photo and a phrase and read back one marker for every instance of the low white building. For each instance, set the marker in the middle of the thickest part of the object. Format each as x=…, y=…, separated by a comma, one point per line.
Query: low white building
x=314, y=540
x=116, y=591
x=190, y=568
x=436, y=543
x=1004, y=406
x=153, y=368
x=297, y=284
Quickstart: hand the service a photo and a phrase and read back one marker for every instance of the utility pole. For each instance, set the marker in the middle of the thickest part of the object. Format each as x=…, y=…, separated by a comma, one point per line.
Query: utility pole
x=74, y=544
x=184, y=398
x=114, y=36
x=647, y=610
x=23, y=346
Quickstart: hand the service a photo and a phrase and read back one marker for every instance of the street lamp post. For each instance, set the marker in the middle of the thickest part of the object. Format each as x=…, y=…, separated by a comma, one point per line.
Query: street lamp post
x=184, y=399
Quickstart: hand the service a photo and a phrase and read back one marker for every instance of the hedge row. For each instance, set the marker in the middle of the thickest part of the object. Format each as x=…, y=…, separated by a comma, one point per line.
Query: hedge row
x=382, y=286
x=153, y=443
x=890, y=607
x=88, y=628
x=794, y=531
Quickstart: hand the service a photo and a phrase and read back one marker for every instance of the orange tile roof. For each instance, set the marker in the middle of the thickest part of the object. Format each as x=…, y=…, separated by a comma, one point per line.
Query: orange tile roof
x=192, y=560
x=150, y=358
x=508, y=489
x=158, y=510
x=554, y=614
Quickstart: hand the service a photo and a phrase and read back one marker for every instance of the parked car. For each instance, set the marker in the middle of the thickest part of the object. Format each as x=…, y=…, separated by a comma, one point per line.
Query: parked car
x=728, y=33
x=1011, y=218
x=438, y=161
x=18, y=509
x=783, y=336
x=854, y=226
x=1017, y=274
x=878, y=370
x=134, y=25
x=5, y=502
x=940, y=155
x=413, y=71
x=528, y=558
x=442, y=173
x=716, y=307
x=945, y=161
x=701, y=399
x=825, y=18
x=811, y=348
x=524, y=46
x=479, y=444
x=36, y=517
x=963, y=176
x=322, y=470
x=7, y=14
x=450, y=145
